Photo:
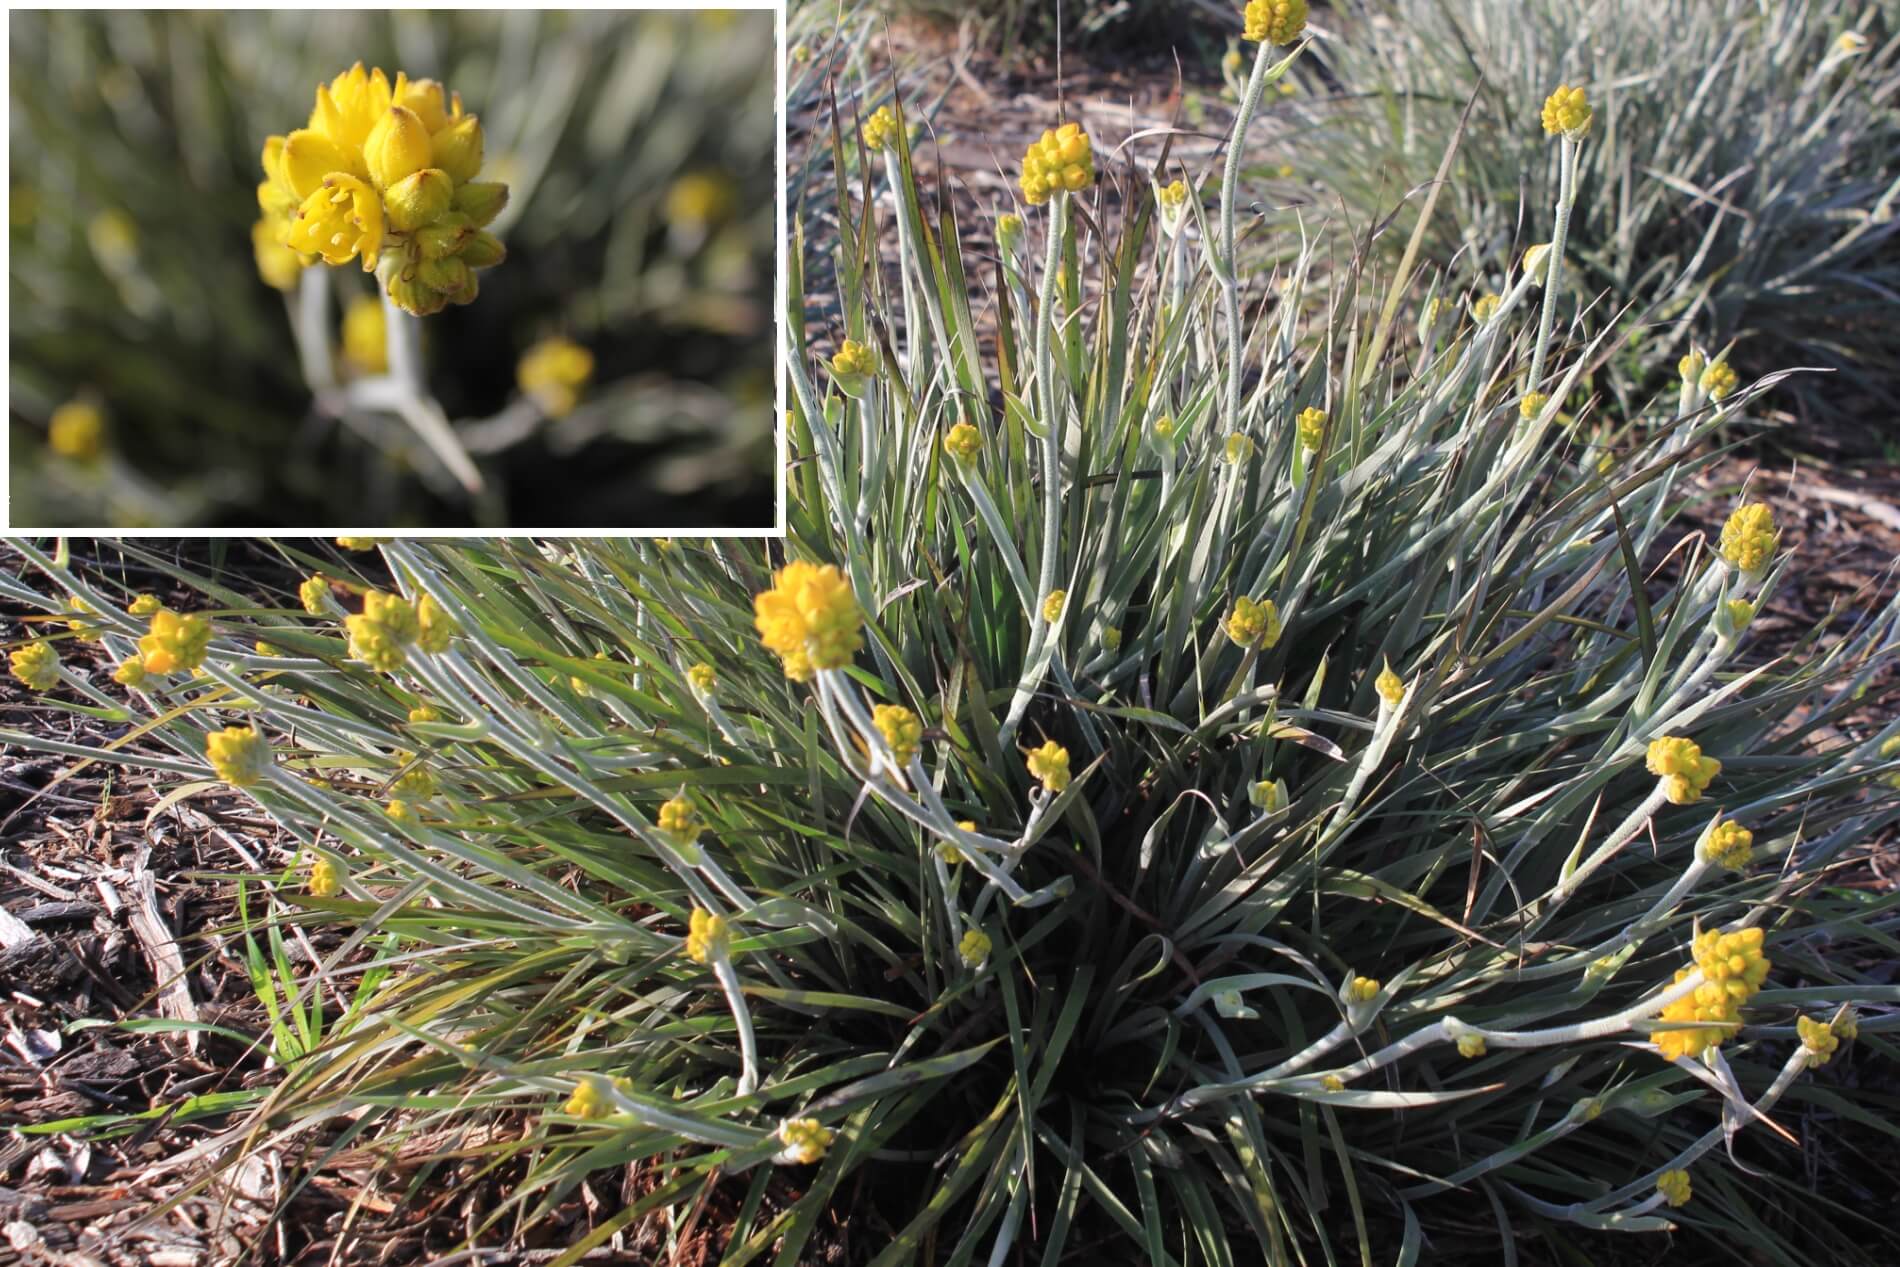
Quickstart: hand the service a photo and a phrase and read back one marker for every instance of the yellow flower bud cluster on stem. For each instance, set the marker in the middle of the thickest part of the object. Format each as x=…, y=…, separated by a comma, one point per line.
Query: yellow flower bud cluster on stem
x=1733, y=969
x=853, y=360
x=1818, y=1039
x=1730, y=845
x=1567, y=113
x=809, y=619
x=1060, y=160
x=1312, y=426
x=239, y=755
x=1274, y=21
x=880, y=130
x=963, y=442
x=1052, y=605
x=975, y=947
x=36, y=665
x=1748, y=538
x=1674, y=1186
x=805, y=1140
x=903, y=731
x=680, y=821
x=1253, y=624
x=1719, y=380
x=384, y=173
x=1362, y=990
x=314, y=594
x=1532, y=405
x=174, y=643
x=326, y=877
x=703, y=679
x=389, y=624
x=1685, y=772
x=707, y=936
x=553, y=372
x=1050, y=765
x=1390, y=686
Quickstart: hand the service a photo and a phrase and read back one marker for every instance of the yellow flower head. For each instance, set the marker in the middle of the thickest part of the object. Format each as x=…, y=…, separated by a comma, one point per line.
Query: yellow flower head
x=1362, y=990
x=809, y=619
x=1390, y=686
x=174, y=643
x=975, y=947
x=1739, y=611
x=1164, y=430
x=341, y=219
x=1484, y=307
x=1174, y=196
x=853, y=360
x=77, y=431
x=1239, y=448
x=1817, y=1038
x=365, y=336
x=1060, y=160
x=424, y=713
x=1312, y=425
x=1729, y=845
x=880, y=130
x=553, y=372
x=963, y=442
x=314, y=594
x=131, y=671
x=703, y=679
x=1112, y=638
x=360, y=544
x=36, y=665
x=901, y=728
x=1719, y=380
x=1674, y=1186
x=1471, y=1046
x=1052, y=605
x=1532, y=405
x=1333, y=1082
x=239, y=755
x=1748, y=538
x=1009, y=227
x=804, y=1139
x=707, y=937
x=393, y=612
x=1231, y=61
x=679, y=820
x=1050, y=764
x=592, y=1099
x=400, y=811
x=143, y=605
x=326, y=877
x=1685, y=772
x=1274, y=21
x=1567, y=113
x=1691, y=365
x=1253, y=624
x=434, y=627
x=375, y=644
x=1267, y=795
x=1733, y=968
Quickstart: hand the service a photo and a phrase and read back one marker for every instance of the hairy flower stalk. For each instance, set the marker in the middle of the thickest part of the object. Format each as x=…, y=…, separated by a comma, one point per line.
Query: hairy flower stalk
x=1566, y=115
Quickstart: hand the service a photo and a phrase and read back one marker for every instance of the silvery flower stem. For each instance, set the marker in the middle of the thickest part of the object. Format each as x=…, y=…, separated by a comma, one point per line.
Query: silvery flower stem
x=1229, y=186
x=1554, y=261
x=748, y=1042
x=310, y=324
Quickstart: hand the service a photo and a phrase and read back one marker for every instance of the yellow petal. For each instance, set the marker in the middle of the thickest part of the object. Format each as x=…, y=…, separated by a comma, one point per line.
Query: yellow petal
x=398, y=146
x=310, y=156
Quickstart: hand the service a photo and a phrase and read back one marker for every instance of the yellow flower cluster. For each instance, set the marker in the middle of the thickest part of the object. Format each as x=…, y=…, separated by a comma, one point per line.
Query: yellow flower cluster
x=131, y=672
x=1174, y=196
x=975, y=947
x=1050, y=764
x=143, y=605
x=901, y=728
x=1685, y=772
x=382, y=171
x=593, y=1097
x=1532, y=405
x=1164, y=430
x=36, y=665
x=1312, y=425
x=679, y=820
x=553, y=372
x=809, y=618
x=1719, y=380
x=1060, y=160
x=1362, y=990
x=174, y=643
x=1674, y=1186
x=804, y=1139
x=963, y=442
x=1567, y=113
x=1748, y=538
x=1730, y=845
x=853, y=360
x=1239, y=448
x=239, y=755
x=1052, y=605
x=314, y=594
x=707, y=936
x=880, y=130
x=77, y=431
x=703, y=679
x=1009, y=227
x=1733, y=969
x=1817, y=1038
x=326, y=877
x=1274, y=21
x=1253, y=624
x=1691, y=365
x=1484, y=307
x=1390, y=686
x=1471, y=1046
x=389, y=624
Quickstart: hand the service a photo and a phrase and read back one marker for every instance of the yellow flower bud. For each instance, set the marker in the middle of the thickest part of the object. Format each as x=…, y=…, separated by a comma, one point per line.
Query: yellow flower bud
x=1532, y=405
x=326, y=877
x=398, y=146
x=409, y=293
x=702, y=679
x=239, y=755
x=1253, y=624
x=1817, y=1039
x=131, y=671
x=1471, y=1046
x=1719, y=380
x=592, y=1099
x=1684, y=771
x=1729, y=844
x=277, y=264
x=963, y=442
x=36, y=665
x=1274, y=21
x=902, y=730
x=1009, y=227
x=1674, y=1186
x=1691, y=365
x=1052, y=605
x=143, y=605
x=1239, y=448
x=1567, y=113
x=1362, y=990
x=553, y=372
x=77, y=431
x=708, y=938
x=1748, y=538
x=1061, y=159
x=1486, y=306
x=174, y=643
x=434, y=627
x=853, y=360
x=458, y=149
x=1312, y=428
x=975, y=947
x=418, y=198
x=804, y=1139
x=1390, y=686
x=1050, y=764
x=809, y=618
x=880, y=130
x=483, y=250
x=481, y=201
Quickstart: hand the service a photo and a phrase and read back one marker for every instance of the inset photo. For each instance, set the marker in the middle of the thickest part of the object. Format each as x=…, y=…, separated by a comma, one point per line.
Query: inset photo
x=401, y=270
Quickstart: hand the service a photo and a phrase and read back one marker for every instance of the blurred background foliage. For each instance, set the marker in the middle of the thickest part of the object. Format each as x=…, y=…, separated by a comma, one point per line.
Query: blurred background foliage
x=639, y=149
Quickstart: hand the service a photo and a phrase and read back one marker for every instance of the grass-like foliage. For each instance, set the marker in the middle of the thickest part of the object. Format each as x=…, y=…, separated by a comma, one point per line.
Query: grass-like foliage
x=1301, y=878
x=1741, y=184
